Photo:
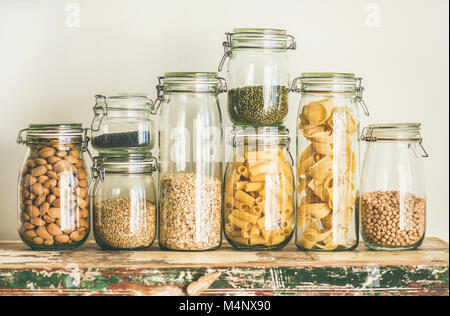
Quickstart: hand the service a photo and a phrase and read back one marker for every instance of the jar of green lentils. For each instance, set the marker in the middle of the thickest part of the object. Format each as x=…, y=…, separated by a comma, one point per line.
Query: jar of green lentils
x=257, y=75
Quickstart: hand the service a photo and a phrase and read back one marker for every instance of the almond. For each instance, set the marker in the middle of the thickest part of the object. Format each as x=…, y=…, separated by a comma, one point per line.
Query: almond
x=81, y=173
x=71, y=159
x=84, y=184
x=82, y=203
x=39, y=200
x=46, y=152
x=42, y=179
x=52, y=174
x=37, y=221
x=38, y=171
x=40, y=161
x=54, y=230
x=56, y=191
x=50, y=183
x=30, y=164
x=75, y=236
x=61, y=153
x=51, y=198
x=62, y=239
x=29, y=180
x=44, y=208
x=30, y=233
x=28, y=225
x=37, y=189
x=53, y=159
x=49, y=219
x=42, y=232
x=33, y=211
x=49, y=242
x=54, y=212
x=38, y=240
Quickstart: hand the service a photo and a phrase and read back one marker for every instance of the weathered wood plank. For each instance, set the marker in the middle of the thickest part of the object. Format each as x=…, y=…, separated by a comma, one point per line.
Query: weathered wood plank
x=287, y=272
x=15, y=255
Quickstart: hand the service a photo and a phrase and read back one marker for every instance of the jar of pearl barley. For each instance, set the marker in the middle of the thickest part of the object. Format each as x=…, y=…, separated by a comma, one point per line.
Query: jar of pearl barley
x=393, y=202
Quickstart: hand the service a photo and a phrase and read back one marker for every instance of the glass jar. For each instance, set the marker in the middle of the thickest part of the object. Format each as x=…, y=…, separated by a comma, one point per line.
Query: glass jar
x=393, y=201
x=123, y=124
x=191, y=156
x=259, y=192
x=258, y=75
x=328, y=161
x=124, y=202
x=53, y=187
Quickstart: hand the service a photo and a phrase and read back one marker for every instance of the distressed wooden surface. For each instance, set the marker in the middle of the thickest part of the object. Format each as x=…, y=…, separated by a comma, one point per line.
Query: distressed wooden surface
x=90, y=271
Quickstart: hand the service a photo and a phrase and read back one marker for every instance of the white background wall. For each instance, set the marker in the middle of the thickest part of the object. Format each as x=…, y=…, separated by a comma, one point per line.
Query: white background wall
x=50, y=67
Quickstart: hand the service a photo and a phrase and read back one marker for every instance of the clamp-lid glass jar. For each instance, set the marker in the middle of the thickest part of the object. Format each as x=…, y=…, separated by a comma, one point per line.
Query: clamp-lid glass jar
x=393, y=201
x=328, y=161
x=259, y=190
x=191, y=157
x=53, y=187
x=123, y=124
x=258, y=75
x=124, y=202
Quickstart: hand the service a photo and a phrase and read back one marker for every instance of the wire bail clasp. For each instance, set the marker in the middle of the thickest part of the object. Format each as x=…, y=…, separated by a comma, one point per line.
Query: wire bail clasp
x=100, y=101
x=159, y=96
x=226, y=50
x=20, y=139
x=359, y=97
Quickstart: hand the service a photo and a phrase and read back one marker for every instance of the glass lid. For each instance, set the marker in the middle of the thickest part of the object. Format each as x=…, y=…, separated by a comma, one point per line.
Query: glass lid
x=326, y=82
x=267, y=135
x=124, y=101
x=260, y=38
x=208, y=82
x=67, y=133
x=393, y=132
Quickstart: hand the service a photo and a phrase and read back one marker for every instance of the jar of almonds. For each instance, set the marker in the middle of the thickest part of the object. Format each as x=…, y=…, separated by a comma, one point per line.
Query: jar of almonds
x=393, y=187
x=53, y=187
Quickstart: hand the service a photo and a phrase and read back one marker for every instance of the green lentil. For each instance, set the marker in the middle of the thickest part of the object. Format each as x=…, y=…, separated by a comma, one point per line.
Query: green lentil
x=259, y=105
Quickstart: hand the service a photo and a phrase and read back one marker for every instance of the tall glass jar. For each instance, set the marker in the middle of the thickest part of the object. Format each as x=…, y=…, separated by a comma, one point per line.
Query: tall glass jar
x=258, y=75
x=124, y=202
x=190, y=155
x=123, y=124
x=259, y=190
x=328, y=161
x=53, y=187
x=393, y=199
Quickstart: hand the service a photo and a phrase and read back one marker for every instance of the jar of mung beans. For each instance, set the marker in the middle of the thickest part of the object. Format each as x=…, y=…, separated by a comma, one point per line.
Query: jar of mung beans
x=393, y=201
x=258, y=75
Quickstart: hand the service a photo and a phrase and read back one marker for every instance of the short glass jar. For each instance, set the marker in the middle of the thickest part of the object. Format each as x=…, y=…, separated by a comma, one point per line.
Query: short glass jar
x=191, y=158
x=123, y=124
x=53, y=187
x=328, y=161
x=124, y=202
x=258, y=75
x=259, y=192
x=393, y=201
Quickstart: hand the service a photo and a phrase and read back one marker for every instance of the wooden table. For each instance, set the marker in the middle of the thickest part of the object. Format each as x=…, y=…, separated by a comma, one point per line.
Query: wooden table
x=90, y=271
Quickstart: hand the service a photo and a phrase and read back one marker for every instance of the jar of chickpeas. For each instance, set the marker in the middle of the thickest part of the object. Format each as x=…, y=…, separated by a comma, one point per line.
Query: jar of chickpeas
x=259, y=189
x=393, y=201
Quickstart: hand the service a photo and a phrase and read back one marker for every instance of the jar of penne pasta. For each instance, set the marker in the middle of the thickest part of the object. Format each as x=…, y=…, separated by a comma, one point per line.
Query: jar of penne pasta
x=328, y=161
x=393, y=202
x=259, y=190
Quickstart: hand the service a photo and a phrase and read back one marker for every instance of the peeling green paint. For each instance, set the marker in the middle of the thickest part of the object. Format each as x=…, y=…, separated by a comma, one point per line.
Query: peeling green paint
x=279, y=281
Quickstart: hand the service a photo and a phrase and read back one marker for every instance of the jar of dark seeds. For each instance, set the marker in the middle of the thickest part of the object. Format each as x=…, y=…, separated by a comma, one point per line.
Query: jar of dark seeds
x=123, y=124
x=393, y=202
x=258, y=75
x=124, y=202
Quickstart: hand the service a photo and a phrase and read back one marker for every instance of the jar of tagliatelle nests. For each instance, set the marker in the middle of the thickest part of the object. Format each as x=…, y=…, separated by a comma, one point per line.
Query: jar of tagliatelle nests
x=259, y=191
x=328, y=161
x=393, y=202
x=53, y=195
